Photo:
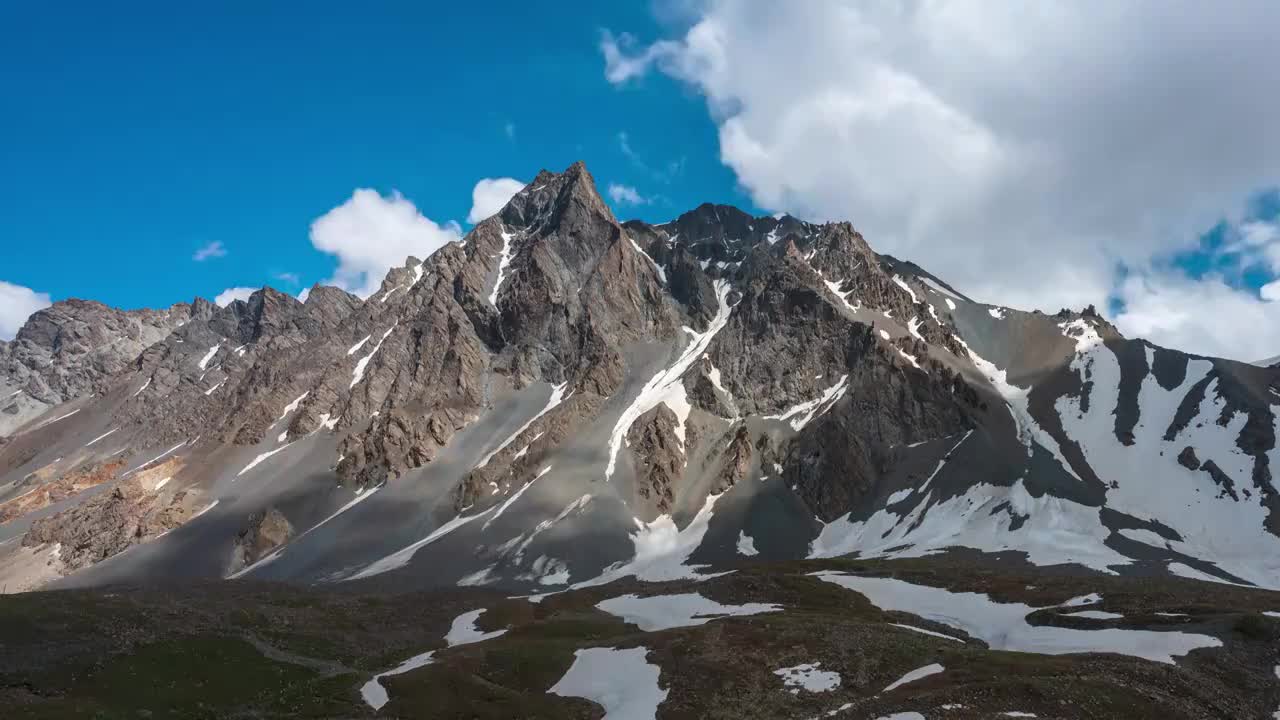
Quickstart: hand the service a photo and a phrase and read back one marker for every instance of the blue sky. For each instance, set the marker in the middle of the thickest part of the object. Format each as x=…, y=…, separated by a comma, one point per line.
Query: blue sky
x=138, y=137
x=1047, y=159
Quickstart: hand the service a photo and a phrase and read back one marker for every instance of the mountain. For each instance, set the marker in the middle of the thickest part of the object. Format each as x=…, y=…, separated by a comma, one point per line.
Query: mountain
x=562, y=403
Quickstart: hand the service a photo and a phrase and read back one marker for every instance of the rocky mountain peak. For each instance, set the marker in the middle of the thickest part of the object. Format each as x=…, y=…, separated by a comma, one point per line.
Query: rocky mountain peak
x=567, y=198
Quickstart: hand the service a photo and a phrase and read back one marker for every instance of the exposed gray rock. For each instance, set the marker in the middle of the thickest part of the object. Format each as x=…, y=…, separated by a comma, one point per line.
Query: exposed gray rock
x=265, y=531
x=73, y=348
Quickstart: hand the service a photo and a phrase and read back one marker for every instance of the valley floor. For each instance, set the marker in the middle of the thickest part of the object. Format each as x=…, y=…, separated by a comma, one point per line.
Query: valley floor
x=956, y=636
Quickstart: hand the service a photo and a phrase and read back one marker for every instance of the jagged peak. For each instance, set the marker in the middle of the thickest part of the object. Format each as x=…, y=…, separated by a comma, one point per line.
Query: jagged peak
x=551, y=197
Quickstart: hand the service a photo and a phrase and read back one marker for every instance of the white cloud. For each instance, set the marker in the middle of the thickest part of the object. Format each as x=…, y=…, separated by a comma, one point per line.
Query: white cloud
x=16, y=305
x=1020, y=150
x=231, y=294
x=289, y=277
x=212, y=250
x=626, y=195
x=370, y=234
x=490, y=195
x=1206, y=316
x=510, y=130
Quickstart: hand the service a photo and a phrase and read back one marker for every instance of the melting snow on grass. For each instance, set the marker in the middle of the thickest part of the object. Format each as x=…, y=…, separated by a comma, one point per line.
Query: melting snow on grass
x=668, y=385
x=809, y=678
x=800, y=415
x=997, y=313
x=931, y=633
x=358, y=374
x=660, y=612
x=464, y=630
x=915, y=675
x=1094, y=615
x=1004, y=625
x=623, y=682
x=375, y=696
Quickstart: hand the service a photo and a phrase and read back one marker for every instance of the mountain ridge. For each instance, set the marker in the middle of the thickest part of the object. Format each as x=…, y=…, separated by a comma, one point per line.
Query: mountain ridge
x=685, y=358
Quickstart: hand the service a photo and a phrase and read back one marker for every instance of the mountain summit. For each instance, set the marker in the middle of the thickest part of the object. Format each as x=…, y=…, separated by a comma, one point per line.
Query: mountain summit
x=563, y=401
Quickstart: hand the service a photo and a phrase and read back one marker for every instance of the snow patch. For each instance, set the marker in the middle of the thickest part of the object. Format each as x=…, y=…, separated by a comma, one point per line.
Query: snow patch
x=557, y=396
x=358, y=374
x=897, y=279
x=915, y=675
x=662, y=612
x=623, y=682
x=1050, y=530
x=661, y=550
x=1094, y=615
x=1003, y=626
x=401, y=557
x=662, y=274
x=355, y=348
x=504, y=259
x=668, y=385
x=375, y=696
x=103, y=435
x=258, y=460
x=746, y=544
x=204, y=361
x=939, y=288
x=809, y=678
x=515, y=496
x=463, y=631
x=931, y=633
x=802, y=414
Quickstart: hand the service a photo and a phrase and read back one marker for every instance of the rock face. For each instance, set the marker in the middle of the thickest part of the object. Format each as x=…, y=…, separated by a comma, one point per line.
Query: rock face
x=73, y=348
x=563, y=398
x=128, y=514
x=265, y=531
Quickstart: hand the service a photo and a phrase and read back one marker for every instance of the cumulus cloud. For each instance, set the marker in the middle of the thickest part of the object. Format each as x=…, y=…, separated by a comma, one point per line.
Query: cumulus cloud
x=16, y=305
x=626, y=195
x=370, y=234
x=231, y=294
x=1205, y=316
x=490, y=195
x=212, y=250
x=1022, y=151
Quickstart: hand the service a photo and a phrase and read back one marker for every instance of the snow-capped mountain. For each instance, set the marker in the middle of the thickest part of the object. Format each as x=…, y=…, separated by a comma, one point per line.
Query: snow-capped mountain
x=561, y=400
